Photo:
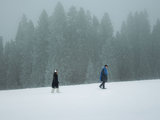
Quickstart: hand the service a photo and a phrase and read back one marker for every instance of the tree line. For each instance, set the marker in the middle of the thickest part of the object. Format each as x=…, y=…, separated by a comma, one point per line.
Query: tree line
x=78, y=44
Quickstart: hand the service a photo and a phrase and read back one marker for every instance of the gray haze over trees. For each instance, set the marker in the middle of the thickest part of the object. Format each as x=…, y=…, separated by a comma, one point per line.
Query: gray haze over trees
x=11, y=11
x=78, y=44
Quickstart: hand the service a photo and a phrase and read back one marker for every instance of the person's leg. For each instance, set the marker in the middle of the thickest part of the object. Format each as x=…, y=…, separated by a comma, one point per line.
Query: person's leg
x=57, y=86
x=57, y=90
x=103, y=84
x=52, y=90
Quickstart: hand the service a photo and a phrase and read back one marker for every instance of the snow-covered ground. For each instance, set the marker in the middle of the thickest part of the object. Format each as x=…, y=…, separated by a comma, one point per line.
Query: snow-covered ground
x=138, y=100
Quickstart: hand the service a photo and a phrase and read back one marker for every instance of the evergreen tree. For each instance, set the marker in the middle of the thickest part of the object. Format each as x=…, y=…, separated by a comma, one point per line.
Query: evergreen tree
x=155, y=50
x=122, y=55
x=28, y=55
x=2, y=66
x=11, y=65
x=106, y=41
x=138, y=33
x=24, y=49
x=40, y=54
x=71, y=46
x=95, y=49
x=83, y=40
x=90, y=77
x=20, y=43
x=56, y=42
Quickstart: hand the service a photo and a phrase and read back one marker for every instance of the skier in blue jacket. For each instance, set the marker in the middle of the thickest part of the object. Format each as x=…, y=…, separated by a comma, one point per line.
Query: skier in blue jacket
x=104, y=76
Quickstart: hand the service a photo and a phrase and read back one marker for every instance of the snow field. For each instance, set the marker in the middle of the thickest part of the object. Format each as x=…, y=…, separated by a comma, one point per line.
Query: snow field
x=137, y=100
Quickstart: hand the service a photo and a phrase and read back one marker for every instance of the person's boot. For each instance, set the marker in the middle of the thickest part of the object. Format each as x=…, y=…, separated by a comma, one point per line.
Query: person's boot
x=52, y=90
x=58, y=90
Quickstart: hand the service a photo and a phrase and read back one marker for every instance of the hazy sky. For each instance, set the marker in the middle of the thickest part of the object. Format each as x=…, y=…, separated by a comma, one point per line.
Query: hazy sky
x=11, y=11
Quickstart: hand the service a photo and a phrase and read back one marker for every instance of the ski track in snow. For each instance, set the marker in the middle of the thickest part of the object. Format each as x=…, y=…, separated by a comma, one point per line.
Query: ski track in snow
x=136, y=100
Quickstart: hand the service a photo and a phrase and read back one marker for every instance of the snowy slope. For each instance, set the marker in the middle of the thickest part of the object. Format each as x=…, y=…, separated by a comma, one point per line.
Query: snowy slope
x=138, y=100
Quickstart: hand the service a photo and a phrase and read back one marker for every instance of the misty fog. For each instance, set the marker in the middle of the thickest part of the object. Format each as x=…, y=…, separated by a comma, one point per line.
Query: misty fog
x=78, y=38
x=11, y=11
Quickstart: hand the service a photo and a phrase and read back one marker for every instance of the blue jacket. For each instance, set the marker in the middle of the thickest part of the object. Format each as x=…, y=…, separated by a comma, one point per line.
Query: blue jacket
x=104, y=74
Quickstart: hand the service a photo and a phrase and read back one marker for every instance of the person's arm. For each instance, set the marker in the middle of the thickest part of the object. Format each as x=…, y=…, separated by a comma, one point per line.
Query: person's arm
x=106, y=71
x=57, y=78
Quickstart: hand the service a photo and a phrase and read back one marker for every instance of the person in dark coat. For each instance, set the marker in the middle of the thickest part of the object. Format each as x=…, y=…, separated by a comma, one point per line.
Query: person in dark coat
x=55, y=82
x=104, y=76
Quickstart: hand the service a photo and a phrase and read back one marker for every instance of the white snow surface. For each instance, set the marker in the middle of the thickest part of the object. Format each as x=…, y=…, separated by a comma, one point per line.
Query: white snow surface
x=136, y=100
